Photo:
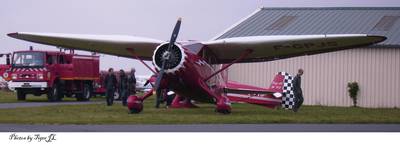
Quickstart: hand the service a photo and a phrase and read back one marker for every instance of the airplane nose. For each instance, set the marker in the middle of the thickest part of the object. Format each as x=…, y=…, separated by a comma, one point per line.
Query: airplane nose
x=166, y=55
x=174, y=58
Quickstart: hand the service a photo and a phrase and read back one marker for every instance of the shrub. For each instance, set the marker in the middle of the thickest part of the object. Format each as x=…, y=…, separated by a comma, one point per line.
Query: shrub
x=353, y=91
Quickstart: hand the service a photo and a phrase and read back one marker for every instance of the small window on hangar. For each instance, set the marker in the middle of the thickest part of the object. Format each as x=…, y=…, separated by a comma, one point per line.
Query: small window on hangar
x=281, y=23
x=386, y=23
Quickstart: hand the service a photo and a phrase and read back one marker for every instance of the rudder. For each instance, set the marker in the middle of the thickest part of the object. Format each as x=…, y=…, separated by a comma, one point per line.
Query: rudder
x=288, y=99
x=277, y=83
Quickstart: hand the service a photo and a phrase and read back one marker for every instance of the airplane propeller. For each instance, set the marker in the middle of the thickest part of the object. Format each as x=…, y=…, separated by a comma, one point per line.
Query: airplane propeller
x=165, y=57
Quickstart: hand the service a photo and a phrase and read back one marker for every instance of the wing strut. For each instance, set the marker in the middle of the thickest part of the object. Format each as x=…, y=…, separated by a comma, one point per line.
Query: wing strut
x=242, y=56
x=134, y=55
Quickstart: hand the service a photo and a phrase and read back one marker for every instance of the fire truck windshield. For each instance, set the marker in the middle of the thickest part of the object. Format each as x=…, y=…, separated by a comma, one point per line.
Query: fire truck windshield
x=28, y=59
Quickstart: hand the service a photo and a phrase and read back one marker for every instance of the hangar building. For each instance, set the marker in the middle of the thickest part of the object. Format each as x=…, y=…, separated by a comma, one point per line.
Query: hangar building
x=376, y=68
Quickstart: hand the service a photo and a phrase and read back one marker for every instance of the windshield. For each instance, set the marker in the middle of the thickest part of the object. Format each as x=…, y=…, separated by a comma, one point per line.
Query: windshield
x=30, y=59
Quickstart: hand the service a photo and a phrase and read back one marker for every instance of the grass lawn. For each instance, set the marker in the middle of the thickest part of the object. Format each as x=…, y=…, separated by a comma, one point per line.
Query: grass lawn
x=8, y=97
x=241, y=113
x=11, y=97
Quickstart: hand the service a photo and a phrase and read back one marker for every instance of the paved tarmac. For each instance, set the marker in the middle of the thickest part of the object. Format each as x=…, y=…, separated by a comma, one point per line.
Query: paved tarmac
x=204, y=128
x=39, y=104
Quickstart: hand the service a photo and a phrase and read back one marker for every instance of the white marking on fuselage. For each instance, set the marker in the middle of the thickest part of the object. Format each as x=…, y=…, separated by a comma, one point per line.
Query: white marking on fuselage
x=253, y=97
x=201, y=62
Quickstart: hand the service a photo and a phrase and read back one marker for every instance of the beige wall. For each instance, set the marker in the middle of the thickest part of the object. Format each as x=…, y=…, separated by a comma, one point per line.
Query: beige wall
x=326, y=75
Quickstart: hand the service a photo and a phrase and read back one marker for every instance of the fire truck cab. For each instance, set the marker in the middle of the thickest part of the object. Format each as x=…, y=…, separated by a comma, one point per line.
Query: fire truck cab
x=55, y=73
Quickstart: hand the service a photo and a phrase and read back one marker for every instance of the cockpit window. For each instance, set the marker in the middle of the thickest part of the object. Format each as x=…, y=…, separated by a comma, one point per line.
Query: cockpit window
x=194, y=48
x=28, y=59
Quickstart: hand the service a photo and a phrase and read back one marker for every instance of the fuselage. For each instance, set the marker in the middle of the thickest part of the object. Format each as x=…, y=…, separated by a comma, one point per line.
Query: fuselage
x=189, y=79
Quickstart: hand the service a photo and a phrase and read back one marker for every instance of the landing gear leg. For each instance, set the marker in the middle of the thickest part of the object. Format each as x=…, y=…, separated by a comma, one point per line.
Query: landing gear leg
x=181, y=102
x=223, y=105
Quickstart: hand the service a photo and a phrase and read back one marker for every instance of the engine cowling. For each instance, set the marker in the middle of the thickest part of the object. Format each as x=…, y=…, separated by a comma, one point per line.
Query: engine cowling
x=174, y=58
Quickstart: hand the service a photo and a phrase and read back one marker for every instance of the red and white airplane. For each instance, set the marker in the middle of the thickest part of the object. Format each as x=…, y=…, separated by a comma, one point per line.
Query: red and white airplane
x=187, y=67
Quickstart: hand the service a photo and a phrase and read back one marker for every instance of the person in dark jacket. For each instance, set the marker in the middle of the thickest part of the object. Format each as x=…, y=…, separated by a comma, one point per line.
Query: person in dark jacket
x=298, y=92
x=132, y=82
x=123, y=87
x=110, y=82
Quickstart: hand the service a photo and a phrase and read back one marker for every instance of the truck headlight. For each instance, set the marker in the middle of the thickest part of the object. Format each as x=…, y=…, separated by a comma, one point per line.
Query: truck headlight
x=40, y=76
x=14, y=76
x=5, y=75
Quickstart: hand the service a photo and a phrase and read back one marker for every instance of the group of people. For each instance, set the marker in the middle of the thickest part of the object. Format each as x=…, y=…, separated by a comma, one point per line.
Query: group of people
x=126, y=85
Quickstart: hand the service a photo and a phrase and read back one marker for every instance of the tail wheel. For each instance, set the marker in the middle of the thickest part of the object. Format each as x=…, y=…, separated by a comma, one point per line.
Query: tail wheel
x=21, y=95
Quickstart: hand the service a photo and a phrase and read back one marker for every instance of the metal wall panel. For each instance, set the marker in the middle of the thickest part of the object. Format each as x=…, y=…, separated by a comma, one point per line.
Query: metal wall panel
x=377, y=70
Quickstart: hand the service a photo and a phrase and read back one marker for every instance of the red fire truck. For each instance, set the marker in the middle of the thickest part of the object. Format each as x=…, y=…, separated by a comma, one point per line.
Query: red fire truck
x=55, y=73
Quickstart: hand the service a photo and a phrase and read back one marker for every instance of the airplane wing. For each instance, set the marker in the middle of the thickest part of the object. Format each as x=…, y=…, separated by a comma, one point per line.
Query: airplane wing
x=107, y=44
x=268, y=48
x=265, y=48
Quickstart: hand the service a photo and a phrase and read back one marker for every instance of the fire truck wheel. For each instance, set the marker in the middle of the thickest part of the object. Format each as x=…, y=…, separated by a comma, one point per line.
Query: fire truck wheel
x=86, y=94
x=21, y=95
x=54, y=94
x=69, y=95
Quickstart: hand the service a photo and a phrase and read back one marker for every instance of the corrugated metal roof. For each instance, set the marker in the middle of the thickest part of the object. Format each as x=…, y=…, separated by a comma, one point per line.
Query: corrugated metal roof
x=324, y=20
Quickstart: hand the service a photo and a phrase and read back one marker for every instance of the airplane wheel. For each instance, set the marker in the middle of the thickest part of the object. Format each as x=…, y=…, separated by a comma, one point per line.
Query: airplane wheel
x=223, y=111
x=223, y=106
x=135, y=104
x=135, y=111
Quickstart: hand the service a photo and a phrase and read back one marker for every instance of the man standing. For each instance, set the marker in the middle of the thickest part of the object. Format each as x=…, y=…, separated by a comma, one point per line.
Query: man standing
x=298, y=92
x=110, y=82
x=132, y=82
x=123, y=87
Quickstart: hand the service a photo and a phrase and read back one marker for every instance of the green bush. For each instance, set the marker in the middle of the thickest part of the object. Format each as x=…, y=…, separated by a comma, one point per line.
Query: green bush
x=353, y=91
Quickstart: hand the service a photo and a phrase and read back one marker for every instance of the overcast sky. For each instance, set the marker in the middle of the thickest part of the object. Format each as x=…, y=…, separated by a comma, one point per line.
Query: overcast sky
x=202, y=19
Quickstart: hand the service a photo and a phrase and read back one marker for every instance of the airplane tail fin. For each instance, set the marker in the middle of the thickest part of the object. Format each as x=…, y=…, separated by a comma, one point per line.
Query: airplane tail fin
x=279, y=93
x=277, y=83
x=283, y=83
